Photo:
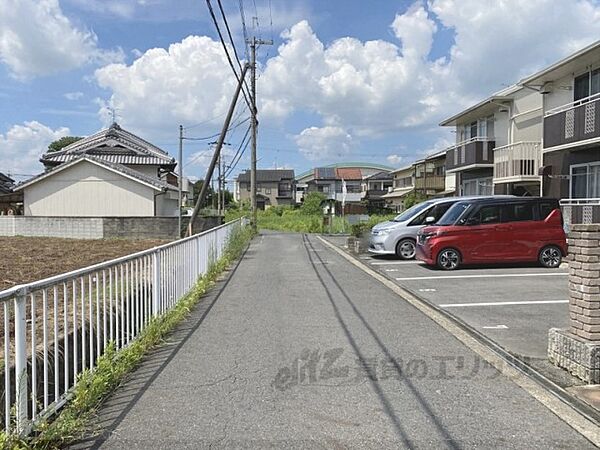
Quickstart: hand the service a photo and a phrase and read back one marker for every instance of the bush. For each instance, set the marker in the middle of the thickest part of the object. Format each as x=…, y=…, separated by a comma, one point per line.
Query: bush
x=312, y=203
x=413, y=198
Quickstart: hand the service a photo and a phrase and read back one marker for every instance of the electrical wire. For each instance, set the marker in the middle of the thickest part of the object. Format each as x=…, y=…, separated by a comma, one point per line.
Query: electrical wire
x=237, y=153
x=216, y=23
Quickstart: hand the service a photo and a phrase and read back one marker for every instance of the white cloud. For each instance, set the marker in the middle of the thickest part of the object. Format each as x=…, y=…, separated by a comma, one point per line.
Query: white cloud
x=190, y=82
x=357, y=89
x=394, y=160
x=324, y=143
x=36, y=38
x=22, y=145
x=74, y=95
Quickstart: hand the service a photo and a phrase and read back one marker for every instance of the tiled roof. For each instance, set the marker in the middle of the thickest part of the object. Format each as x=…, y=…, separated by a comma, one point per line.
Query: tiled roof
x=267, y=175
x=131, y=173
x=117, y=144
x=349, y=174
x=6, y=184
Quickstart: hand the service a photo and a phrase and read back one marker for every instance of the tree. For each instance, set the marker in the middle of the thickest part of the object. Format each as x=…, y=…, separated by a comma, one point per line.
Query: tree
x=312, y=203
x=413, y=198
x=61, y=143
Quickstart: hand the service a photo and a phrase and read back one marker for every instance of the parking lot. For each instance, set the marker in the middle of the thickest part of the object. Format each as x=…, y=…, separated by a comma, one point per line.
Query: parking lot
x=514, y=305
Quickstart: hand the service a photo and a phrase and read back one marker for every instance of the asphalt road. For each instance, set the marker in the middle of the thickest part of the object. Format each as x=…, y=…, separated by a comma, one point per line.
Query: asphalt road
x=515, y=305
x=300, y=349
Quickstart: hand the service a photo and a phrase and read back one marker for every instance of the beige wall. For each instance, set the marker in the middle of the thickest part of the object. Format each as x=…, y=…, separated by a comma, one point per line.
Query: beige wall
x=87, y=190
x=273, y=200
x=527, y=125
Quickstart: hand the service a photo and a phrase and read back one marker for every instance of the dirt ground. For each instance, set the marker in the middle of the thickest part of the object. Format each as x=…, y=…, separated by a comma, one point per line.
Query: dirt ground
x=26, y=259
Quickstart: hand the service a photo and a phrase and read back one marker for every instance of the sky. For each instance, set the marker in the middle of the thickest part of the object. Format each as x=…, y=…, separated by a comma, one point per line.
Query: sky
x=344, y=80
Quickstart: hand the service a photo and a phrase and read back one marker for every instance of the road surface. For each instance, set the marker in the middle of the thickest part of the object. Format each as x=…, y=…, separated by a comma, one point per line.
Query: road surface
x=300, y=349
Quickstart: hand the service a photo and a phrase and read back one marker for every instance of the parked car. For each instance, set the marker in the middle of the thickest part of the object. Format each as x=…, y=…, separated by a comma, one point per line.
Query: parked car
x=398, y=236
x=494, y=230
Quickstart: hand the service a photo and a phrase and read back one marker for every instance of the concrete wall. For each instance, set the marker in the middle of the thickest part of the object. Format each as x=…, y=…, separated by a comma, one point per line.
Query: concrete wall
x=88, y=190
x=101, y=227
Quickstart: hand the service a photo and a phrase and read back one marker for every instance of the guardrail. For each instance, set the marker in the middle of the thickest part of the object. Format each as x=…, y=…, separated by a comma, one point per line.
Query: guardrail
x=572, y=105
x=580, y=211
x=56, y=328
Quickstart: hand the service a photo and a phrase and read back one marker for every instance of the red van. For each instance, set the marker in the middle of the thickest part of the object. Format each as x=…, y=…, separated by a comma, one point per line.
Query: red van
x=492, y=230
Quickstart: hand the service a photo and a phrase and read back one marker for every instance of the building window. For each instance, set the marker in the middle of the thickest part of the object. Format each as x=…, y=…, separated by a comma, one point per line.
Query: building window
x=477, y=186
x=268, y=191
x=473, y=129
x=248, y=187
x=586, y=85
x=585, y=180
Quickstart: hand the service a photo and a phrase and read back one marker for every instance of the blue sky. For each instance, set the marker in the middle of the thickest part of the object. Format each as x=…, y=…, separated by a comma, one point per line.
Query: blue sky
x=345, y=80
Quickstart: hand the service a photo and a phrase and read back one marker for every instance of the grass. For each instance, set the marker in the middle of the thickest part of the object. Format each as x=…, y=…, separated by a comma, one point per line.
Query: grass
x=73, y=422
x=296, y=220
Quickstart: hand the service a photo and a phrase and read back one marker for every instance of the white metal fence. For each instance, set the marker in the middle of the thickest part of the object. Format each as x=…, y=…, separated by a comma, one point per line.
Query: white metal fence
x=56, y=328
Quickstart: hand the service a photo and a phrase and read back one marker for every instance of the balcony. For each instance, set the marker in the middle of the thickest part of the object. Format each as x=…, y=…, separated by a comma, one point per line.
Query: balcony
x=376, y=193
x=580, y=211
x=573, y=124
x=517, y=162
x=430, y=182
x=475, y=152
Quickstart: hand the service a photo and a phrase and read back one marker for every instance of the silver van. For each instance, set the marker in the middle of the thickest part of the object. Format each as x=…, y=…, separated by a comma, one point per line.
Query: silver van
x=398, y=236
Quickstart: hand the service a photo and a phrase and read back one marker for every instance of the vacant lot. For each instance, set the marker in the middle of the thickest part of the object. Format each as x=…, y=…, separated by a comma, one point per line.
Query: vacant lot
x=24, y=259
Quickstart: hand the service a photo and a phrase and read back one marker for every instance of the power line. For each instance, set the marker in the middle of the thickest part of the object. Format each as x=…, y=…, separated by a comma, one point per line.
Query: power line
x=216, y=23
x=239, y=155
x=244, y=29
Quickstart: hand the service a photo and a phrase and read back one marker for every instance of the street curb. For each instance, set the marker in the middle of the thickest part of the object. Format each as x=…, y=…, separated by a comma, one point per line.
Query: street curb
x=578, y=414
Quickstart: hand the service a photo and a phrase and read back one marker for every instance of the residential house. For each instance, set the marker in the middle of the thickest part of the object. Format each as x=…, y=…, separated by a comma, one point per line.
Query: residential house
x=112, y=173
x=404, y=183
x=430, y=175
x=497, y=146
x=570, y=92
x=274, y=187
x=375, y=187
x=306, y=180
x=10, y=202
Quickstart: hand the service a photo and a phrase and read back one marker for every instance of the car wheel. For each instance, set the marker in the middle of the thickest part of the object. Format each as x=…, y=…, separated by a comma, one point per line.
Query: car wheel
x=550, y=256
x=448, y=259
x=405, y=249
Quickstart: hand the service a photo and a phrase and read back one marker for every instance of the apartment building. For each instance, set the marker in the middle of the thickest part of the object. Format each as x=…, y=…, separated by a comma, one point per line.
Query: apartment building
x=404, y=183
x=498, y=148
x=430, y=174
x=570, y=91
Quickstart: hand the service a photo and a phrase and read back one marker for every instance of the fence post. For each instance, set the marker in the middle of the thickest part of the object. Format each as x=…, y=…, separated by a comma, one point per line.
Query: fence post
x=21, y=360
x=156, y=288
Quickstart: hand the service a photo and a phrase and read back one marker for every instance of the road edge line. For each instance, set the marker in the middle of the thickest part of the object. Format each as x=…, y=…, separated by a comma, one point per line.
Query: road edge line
x=566, y=412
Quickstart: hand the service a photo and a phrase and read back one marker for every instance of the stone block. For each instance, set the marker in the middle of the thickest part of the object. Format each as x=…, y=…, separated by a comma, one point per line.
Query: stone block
x=590, y=228
x=575, y=354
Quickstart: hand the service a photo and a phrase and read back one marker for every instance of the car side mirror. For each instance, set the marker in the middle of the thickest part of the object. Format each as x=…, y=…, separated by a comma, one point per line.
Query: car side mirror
x=472, y=221
x=429, y=219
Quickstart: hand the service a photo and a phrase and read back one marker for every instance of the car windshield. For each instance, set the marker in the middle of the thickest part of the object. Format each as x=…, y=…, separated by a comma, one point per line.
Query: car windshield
x=411, y=212
x=453, y=214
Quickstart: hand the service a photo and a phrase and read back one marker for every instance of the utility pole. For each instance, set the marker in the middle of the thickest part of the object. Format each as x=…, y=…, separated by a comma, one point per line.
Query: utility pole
x=254, y=122
x=211, y=167
x=219, y=189
x=180, y=178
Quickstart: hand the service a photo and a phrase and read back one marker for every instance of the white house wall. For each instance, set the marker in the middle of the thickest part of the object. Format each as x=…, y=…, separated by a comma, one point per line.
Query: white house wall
x=87, y=190
x=149, y=170
x=527, y=107
x=166, y=204
x=561, y=94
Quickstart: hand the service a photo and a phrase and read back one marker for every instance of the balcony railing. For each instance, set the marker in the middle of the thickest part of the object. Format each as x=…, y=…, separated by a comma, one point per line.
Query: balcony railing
x=517, y=162
x=430, y=181
x=580, y=211
x=475, y=151
x=572, y=123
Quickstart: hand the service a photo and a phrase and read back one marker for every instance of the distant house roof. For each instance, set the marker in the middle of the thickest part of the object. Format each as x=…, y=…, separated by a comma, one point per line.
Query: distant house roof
x=114, y=145
x=348, y=173
x=381, y=176
x=358, y=165
x=267, y=175
x=127, y=172
x=6, y=184
x=325, y=173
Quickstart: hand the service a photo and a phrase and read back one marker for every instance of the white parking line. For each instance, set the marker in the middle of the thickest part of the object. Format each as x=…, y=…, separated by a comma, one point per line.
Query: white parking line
x=538, y=302
x=498, y=275
x=391, y=263
x=392, y=270
x=496, y=327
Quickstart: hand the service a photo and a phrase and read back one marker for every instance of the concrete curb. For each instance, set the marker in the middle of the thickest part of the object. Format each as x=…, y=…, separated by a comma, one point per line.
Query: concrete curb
x=578, y=414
